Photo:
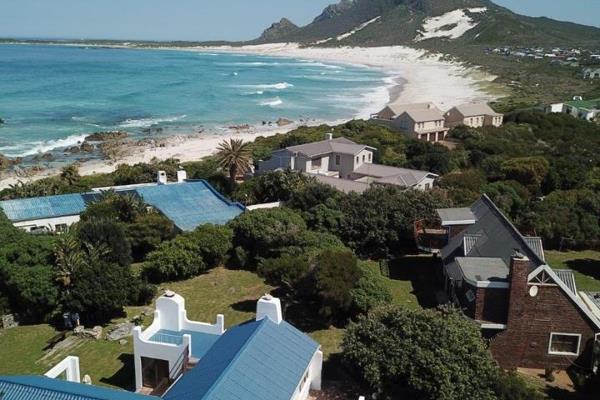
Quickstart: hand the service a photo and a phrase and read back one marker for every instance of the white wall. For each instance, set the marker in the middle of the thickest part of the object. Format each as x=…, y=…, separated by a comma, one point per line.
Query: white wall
x=314, y=371
x=49, y=223
x=70, y=366
x=170, y=315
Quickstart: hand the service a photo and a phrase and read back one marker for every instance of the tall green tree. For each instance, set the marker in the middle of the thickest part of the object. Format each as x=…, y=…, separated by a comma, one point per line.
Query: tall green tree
x=234, y=156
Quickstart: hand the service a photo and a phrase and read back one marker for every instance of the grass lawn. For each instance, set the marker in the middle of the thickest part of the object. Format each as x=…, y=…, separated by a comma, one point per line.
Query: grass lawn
x=585, y=264
x=220, y=291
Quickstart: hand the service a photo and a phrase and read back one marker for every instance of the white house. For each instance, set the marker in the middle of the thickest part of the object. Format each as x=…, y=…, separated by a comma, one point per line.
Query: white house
x=262, y=358
x=345, y=165
x=423, y=121
x=474, y=115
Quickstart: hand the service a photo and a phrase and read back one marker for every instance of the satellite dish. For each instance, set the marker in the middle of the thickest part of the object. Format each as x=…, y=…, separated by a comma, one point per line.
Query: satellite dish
x=533, y=291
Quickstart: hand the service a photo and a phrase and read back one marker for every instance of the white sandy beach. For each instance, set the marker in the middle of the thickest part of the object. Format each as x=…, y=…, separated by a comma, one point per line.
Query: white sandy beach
x=424, y=77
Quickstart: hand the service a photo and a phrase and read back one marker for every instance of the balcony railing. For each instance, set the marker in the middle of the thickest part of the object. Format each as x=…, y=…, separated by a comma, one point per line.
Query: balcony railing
x=430, y=239
x=166, y=338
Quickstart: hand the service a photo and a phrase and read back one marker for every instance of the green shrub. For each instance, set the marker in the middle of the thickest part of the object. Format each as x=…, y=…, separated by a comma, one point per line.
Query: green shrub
x=174, y=260
x=370, y=290
x=214, y=243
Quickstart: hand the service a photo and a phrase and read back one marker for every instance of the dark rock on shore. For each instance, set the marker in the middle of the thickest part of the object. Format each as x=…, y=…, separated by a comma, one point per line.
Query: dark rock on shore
x=106, y=136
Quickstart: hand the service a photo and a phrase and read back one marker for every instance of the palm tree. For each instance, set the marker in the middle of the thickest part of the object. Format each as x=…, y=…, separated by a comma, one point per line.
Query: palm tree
x=70, y=174
x=234, y=156
x=69, y=258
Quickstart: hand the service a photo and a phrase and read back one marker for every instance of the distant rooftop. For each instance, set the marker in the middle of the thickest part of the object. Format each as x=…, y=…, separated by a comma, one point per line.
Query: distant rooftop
x=592, y=104
x=337, y=145
x=187, y=204
x=476, y=109
x=392, y=175
x=343, y=185
x=456, y=216
x=43, y=388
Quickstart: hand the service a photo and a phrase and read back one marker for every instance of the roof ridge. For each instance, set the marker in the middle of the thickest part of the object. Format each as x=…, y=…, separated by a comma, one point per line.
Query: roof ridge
x=261, y=324
x=512, y=228
x=56, y=390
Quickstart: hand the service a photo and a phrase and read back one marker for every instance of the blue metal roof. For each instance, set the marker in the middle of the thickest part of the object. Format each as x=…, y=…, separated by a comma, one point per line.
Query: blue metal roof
x=190, y=204
x=258, y=360
x=43, y=388
x=201, y=342
x=43, y=207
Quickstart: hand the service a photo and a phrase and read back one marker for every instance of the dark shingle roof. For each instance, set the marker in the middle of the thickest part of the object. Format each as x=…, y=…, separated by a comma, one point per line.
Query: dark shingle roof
x=258, y=360
x=497, y=237
x=483, y=269
x=43, y=388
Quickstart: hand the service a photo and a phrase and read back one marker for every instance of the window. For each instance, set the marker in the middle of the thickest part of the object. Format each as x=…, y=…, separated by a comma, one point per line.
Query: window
x=316, y=164
x=470, y=296
x=564, y=343
x=337, y=159
x=364, y=158
x=357, y=160
x=303, y=381
x=370, y=157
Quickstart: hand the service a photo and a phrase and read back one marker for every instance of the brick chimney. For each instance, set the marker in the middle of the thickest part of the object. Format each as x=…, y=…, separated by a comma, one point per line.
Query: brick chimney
x=519, y=273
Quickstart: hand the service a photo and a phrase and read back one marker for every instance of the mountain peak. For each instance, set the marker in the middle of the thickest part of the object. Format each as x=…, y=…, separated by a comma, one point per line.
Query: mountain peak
x=278, y=29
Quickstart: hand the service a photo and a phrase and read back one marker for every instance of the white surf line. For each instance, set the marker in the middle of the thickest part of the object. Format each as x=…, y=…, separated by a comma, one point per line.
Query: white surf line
x=432, y=27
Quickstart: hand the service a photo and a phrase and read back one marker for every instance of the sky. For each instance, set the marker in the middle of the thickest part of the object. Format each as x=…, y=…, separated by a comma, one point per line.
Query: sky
x=204, y=19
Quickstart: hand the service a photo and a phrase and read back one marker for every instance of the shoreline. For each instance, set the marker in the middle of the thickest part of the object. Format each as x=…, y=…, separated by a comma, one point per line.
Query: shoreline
x=411, y=76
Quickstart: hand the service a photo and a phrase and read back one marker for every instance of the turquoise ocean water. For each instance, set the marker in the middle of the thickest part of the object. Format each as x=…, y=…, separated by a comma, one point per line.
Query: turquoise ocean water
x=52, y=96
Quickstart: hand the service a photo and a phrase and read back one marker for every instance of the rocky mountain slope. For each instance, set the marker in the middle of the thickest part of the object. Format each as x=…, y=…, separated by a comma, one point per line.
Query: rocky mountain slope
x=430, y=23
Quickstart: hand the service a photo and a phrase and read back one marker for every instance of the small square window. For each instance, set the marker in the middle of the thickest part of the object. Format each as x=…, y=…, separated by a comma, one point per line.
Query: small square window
x=337, y=159
x=564, y=344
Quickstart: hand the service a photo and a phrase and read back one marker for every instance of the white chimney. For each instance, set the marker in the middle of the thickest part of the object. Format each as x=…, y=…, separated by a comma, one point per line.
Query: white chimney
x=269, y=307
x=181, y=175
x=329, y=136
x=161, y=178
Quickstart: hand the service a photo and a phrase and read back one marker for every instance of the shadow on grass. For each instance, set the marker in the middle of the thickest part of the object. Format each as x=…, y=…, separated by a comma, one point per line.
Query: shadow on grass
x=306, y=317
x=562, y=394
x=125, y=376
x=245, y=306
x=586, y=266
x=423, y=272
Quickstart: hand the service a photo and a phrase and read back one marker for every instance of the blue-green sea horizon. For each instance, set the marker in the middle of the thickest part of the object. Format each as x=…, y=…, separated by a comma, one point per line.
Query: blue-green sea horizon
x=52, y=97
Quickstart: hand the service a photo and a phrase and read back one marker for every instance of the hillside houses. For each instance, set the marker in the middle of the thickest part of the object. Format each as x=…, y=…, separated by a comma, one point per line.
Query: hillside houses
x=424, y=121
x=588, y=110
x=344, y=165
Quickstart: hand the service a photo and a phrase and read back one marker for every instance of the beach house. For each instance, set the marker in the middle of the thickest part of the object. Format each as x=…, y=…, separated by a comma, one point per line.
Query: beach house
x=422, y=121
x=591, y=72
x=345, y=165
x=474, y=115
x=187, y=203
x=264, y=358
x=583, y=109
x=534, y=315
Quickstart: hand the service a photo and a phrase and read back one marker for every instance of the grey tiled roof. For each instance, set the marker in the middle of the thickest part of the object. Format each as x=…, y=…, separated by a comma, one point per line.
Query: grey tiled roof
x=482, y=269
x=400, y=108
x=337, y=145
x=392, y=175
x=427, y=115
x=536, y=245
x=455, y=214
x=343, y=185
x=476, y=109
x=498, y=237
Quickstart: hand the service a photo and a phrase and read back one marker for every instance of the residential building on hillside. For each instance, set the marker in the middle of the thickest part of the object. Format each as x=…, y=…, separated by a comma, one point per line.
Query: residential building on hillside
x=265, y=358
x=583, y=109
x=345, y=165
x=474, y=115
x=591, y=72
x=187, y=203
x=423, y=121
x=534, y=315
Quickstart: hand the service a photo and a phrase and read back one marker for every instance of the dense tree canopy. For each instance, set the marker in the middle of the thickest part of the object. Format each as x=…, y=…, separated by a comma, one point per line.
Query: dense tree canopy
x=428, y=355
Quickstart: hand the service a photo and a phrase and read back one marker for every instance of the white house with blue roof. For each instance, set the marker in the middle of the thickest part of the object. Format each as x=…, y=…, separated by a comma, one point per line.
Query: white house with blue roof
x=187, y=203
x=262, y=359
